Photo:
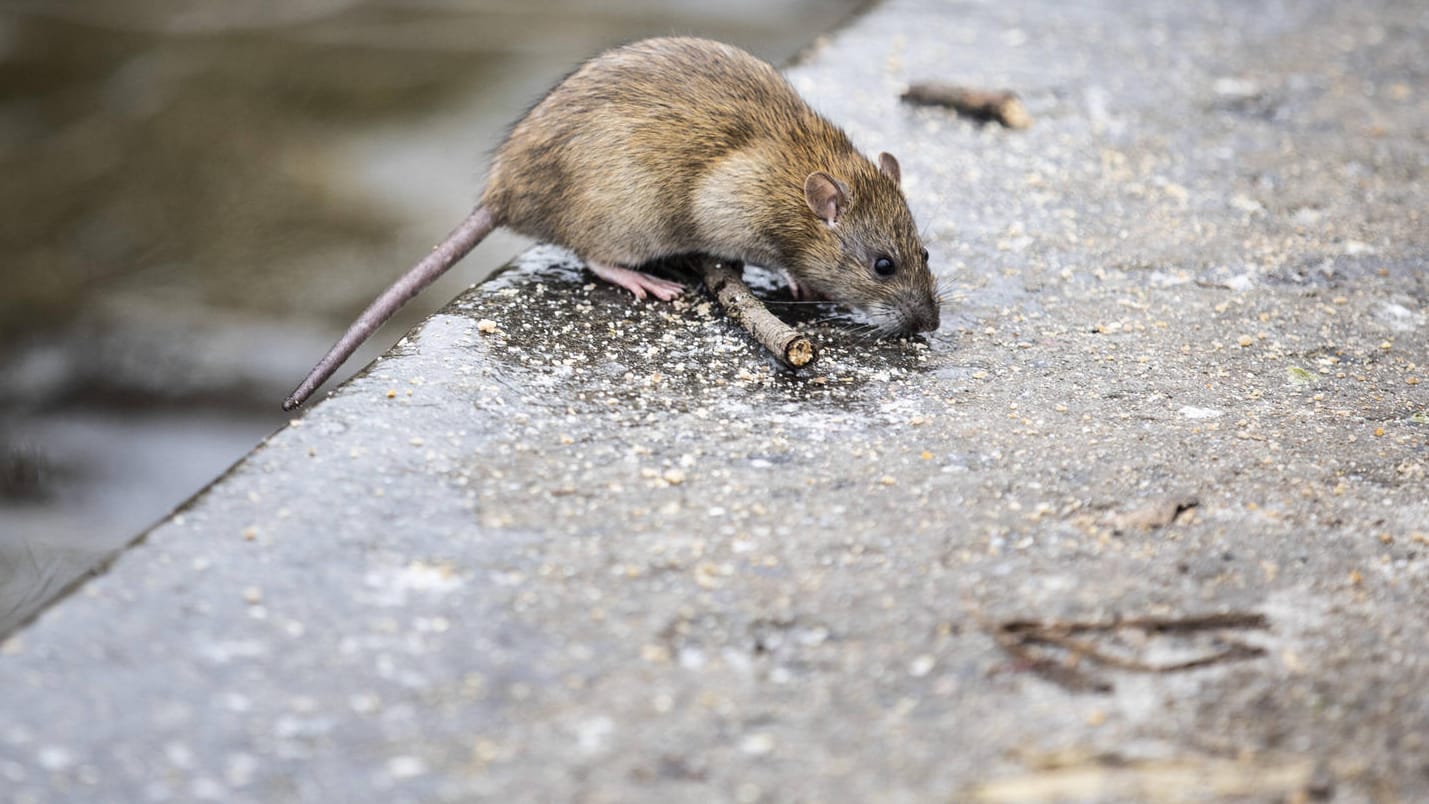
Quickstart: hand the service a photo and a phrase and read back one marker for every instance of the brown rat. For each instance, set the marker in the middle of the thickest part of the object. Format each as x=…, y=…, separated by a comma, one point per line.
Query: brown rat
x=678, y=146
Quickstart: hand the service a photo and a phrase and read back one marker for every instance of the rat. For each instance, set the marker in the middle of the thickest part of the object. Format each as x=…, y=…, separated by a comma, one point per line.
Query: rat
x=675, y=146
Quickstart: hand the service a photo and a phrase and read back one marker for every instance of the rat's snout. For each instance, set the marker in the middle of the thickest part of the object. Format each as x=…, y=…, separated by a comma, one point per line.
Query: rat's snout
x=925, y=317
x=908, y=318
x=927, y=321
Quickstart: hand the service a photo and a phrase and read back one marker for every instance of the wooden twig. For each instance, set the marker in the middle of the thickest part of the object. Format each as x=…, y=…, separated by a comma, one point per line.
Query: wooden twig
x=1082, y=649
x=1064, y=674
x=1161, y=625
x=1002, y=105
x=723, y=279
x=1019, y=638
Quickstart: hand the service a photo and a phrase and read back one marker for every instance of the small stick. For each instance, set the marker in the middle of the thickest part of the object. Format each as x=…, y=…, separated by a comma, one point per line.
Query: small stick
x=723, y=279
x=1002, y=106
x=1064, y=674
x=1018, y=638
x=1234, y=650
x=1204, y=622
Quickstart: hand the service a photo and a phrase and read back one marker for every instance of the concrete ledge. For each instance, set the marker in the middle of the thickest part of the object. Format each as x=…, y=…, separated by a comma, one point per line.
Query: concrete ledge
x=602, y=550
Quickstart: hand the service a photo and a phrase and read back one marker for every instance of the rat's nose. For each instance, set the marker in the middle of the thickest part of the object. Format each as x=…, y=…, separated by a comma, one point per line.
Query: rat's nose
x=927, y=319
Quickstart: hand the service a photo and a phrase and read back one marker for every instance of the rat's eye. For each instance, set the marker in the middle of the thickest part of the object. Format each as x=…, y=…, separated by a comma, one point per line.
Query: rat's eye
x=924, y=252
x=884, y=266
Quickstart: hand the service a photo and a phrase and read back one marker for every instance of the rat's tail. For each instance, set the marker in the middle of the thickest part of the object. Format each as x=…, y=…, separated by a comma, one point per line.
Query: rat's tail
x=463, y=239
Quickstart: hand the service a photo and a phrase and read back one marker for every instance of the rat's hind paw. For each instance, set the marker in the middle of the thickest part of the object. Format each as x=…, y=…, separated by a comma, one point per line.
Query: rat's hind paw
x=637, y=282
x=802, y=292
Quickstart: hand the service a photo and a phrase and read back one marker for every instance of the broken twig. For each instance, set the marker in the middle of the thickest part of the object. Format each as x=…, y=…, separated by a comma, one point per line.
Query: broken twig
x=1002, y=105
x=1021, y=638
x=792, y=347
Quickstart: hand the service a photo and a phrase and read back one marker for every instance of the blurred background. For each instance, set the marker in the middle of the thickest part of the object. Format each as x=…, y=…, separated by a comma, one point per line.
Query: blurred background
x=199, y=195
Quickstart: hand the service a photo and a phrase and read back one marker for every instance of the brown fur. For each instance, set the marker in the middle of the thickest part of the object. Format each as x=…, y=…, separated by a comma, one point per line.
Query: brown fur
x=678, y=145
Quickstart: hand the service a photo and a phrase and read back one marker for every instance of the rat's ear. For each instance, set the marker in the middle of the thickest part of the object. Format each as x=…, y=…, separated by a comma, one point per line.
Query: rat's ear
x=889, y=166
x=825, y=196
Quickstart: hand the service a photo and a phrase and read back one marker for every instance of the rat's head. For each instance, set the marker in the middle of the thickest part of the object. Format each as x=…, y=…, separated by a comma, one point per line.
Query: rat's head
x=868, y=254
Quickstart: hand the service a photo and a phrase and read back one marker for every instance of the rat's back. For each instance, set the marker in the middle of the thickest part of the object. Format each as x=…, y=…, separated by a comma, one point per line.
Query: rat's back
x=608, y=162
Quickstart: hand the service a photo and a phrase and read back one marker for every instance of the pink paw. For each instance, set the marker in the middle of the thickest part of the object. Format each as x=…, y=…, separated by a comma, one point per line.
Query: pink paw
x=801, y=293
x=637, y=282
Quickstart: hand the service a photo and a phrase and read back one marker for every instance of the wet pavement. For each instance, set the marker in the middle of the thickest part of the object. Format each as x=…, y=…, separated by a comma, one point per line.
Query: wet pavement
x=559, y=545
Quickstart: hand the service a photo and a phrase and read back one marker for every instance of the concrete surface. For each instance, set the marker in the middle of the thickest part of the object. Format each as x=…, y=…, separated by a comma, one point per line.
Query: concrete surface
x=561, y=546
